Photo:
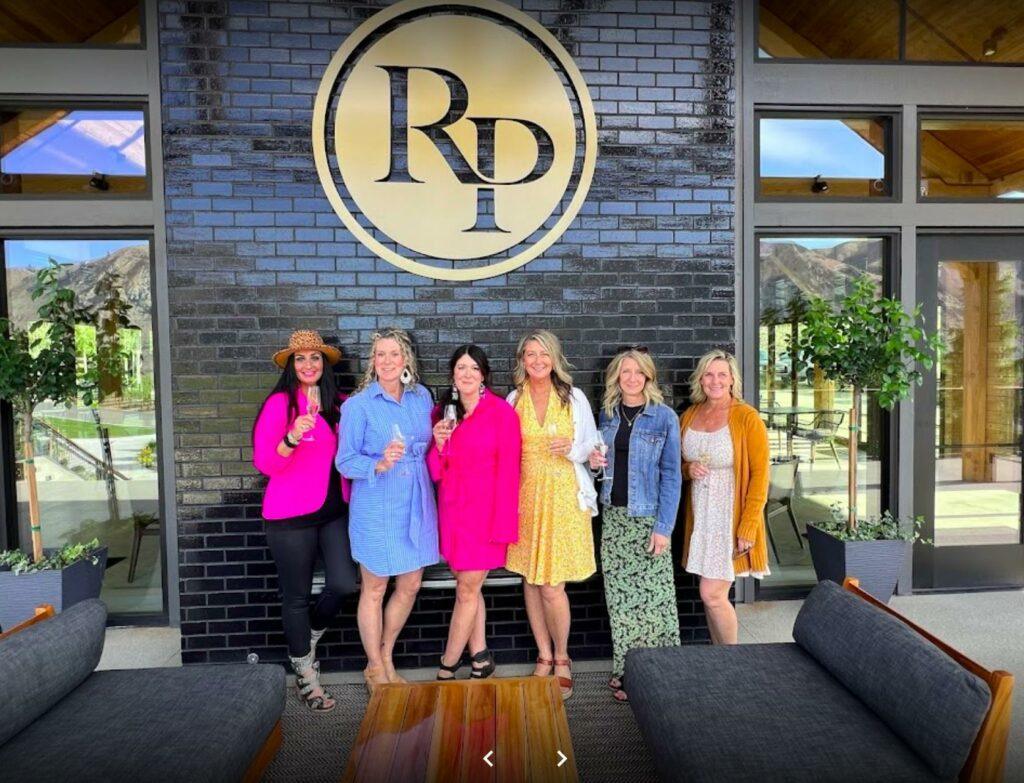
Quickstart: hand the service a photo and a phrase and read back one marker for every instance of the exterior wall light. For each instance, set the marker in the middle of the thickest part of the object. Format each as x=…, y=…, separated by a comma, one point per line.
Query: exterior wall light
x=819, y=185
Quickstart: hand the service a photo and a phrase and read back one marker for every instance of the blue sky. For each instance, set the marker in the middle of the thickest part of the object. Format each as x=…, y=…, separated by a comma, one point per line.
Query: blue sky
x=803, y=148
x=33, y=253
x=110, y=142
x=814, y=243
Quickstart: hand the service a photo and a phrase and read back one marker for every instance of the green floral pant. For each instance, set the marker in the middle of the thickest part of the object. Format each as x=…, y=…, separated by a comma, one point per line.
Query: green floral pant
x=638, y=587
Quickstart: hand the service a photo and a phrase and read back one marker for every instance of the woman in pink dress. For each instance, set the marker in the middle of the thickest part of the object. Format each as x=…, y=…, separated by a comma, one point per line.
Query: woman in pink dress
x=475, y=461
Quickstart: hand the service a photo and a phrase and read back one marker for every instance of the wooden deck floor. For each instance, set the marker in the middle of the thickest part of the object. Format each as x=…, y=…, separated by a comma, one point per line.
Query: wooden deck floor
x=499, y=730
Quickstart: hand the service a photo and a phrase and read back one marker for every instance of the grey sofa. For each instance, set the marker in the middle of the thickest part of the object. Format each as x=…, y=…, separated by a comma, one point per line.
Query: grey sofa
x=62, y=721
x=859, y=696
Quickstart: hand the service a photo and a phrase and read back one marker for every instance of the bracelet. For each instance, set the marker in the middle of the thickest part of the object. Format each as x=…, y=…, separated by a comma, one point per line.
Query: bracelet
x=288, y=443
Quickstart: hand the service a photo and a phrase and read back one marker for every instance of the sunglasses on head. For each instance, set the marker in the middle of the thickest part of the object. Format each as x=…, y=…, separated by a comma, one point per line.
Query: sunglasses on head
x=637, y=348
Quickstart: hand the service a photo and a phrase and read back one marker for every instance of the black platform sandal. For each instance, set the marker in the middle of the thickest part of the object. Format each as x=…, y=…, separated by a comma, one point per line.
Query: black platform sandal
x=452, y=670
x=485, y=657
x=306, y=685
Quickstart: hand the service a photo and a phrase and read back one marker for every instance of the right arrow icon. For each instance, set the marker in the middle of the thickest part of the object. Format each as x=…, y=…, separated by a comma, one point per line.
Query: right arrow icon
x=562, y=758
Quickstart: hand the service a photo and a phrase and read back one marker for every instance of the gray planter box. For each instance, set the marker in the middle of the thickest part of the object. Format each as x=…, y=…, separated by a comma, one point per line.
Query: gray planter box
x=20, y=594
x=877, y=564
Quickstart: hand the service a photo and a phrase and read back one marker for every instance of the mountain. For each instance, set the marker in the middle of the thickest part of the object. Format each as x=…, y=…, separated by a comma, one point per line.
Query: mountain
x=788, y=268
x=131, y=263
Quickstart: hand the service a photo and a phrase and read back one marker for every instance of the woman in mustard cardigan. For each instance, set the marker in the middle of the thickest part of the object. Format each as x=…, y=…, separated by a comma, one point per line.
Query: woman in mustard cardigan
x=725, y=461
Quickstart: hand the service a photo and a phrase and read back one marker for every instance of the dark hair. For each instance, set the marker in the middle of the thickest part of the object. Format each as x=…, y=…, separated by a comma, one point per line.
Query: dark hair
x=289, y=383
x=476, y=353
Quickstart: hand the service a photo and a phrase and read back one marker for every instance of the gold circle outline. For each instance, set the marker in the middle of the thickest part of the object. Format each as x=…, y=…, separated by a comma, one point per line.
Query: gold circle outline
x=323, y=97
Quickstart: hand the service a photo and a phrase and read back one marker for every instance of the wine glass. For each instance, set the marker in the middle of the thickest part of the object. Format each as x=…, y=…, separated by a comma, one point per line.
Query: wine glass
x=312, y=408
x=451, y=417
x=397, y=437
x=602, y=447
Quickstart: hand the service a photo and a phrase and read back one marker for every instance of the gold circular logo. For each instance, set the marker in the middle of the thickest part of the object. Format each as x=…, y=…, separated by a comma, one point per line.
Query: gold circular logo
x=463, y=137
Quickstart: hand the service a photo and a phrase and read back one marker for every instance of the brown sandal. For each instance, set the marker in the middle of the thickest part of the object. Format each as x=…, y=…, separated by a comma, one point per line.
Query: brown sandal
x=564, y=683
x=544, y=662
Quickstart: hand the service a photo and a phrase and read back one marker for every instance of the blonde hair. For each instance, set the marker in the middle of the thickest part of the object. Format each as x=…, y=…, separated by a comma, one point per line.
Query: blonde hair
x=404, y=341
x=612, y=391
x=560, y=367
x=697, y=394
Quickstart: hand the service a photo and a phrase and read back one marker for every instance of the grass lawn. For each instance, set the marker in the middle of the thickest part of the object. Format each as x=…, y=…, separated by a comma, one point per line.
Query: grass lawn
x=76, y=428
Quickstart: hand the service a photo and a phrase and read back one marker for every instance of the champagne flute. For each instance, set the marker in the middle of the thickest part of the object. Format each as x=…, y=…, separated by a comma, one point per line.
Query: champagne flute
x=312, y=408
x=397, y=437
x=552, y=430
x=451, y=418
x=602, y=447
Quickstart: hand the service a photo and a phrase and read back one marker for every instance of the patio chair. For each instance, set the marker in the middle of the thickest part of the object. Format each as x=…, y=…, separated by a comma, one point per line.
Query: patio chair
x=822, y=432
x=781, y=489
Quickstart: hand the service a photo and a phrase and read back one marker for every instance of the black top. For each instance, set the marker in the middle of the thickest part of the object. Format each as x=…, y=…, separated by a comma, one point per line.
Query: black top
x=620, y=475
x=332, y=508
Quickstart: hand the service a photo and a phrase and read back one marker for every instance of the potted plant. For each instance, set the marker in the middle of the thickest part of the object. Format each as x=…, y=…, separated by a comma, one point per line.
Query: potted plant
x=37, y=364
x=866, y=342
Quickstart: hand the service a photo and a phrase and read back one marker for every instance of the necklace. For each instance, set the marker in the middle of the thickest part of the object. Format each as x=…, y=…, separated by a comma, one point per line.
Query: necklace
x=629, y=421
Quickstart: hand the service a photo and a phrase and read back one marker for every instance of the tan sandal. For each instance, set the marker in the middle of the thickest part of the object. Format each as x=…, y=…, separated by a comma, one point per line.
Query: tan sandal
x=374, y=676
x=389, y=671
x=564, y=683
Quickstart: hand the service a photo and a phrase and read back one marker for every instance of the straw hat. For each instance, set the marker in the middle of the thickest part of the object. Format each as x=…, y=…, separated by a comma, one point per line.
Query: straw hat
x=306, y=340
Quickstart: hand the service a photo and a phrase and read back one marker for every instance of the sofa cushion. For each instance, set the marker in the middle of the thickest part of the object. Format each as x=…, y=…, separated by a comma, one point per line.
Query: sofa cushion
x=198, y=723
x=46, y=661
x=759, y=713
x=921, y=693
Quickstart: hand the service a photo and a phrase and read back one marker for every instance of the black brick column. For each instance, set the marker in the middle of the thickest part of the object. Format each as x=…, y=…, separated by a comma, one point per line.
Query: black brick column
x=255, y=250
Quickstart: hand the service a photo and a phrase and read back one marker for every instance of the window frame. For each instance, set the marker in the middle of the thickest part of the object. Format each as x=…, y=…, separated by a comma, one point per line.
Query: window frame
x=57, y=102
x=893, y=160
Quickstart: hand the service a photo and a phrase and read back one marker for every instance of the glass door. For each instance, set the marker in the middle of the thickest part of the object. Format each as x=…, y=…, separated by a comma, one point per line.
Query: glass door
x=968, y=427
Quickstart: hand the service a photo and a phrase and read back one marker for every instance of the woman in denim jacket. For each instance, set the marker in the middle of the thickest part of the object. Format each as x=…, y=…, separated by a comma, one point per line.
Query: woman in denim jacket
x=639, y=494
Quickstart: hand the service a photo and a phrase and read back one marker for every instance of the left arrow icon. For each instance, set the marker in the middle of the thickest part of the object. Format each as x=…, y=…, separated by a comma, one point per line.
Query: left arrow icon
x=487, y=758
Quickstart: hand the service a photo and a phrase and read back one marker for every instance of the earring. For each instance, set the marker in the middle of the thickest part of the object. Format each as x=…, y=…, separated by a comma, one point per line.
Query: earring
x=406, y=377
x=482, y=389
x=455, y=393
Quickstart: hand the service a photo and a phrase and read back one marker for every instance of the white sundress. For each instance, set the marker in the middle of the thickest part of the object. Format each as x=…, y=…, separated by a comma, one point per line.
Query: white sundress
x=712, y=541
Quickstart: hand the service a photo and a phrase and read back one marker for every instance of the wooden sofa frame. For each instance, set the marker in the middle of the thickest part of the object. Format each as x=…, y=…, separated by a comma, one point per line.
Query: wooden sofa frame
x=988, y=754
x=263, y=757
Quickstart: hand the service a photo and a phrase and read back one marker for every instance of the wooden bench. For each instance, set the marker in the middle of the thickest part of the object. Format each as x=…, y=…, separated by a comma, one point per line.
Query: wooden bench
x=498, y=729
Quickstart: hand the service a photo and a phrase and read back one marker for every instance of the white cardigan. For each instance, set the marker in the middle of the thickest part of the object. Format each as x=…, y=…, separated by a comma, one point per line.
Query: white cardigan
x=584, y=435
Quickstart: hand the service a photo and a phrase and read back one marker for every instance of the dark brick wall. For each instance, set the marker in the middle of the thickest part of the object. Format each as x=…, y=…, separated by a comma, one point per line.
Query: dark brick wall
x=254, y=251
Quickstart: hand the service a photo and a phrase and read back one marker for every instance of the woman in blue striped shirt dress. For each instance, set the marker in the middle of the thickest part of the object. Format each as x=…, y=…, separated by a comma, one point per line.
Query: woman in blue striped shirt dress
x=385, y=432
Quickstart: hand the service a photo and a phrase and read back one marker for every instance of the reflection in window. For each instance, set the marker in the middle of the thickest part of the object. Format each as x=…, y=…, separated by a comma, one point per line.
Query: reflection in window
x=806, y=421
x=964, y=158
x=90, y=22
x=97, y=466
x=824, y=157
x=79, y=151
x=829, y=29
x=959, y=32
x=979, y=414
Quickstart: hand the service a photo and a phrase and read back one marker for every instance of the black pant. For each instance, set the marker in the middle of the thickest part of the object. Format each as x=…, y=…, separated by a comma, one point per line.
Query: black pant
x=295, y=551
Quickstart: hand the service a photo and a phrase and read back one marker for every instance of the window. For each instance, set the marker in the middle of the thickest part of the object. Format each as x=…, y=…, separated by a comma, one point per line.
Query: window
x=59, y=22
x=96, y=466
x=821, y=156
x=972, y=158
x=81, y=152
x=957, y=32
x=940, y=31
x=807, y=420
x=829, y=29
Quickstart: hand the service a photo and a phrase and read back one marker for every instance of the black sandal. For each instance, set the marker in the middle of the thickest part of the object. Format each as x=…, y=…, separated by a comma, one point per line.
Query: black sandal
x=306, y=685
x=452, y=670
x=485, y=657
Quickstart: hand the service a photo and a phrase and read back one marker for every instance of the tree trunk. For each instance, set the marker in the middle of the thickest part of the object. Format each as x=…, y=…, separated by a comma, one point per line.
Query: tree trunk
x=852, y=451
x=33, y=491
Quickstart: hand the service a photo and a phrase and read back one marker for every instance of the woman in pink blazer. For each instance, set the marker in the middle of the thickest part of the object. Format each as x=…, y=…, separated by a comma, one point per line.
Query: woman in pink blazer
x=304, y=505
x=475, y=461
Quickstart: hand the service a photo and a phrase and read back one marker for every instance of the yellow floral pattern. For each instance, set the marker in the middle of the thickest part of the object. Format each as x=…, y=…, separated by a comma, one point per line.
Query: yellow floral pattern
x=556, y=540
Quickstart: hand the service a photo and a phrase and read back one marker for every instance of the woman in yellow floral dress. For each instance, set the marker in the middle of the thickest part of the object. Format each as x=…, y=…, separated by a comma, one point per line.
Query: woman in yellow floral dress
x=556, y=496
